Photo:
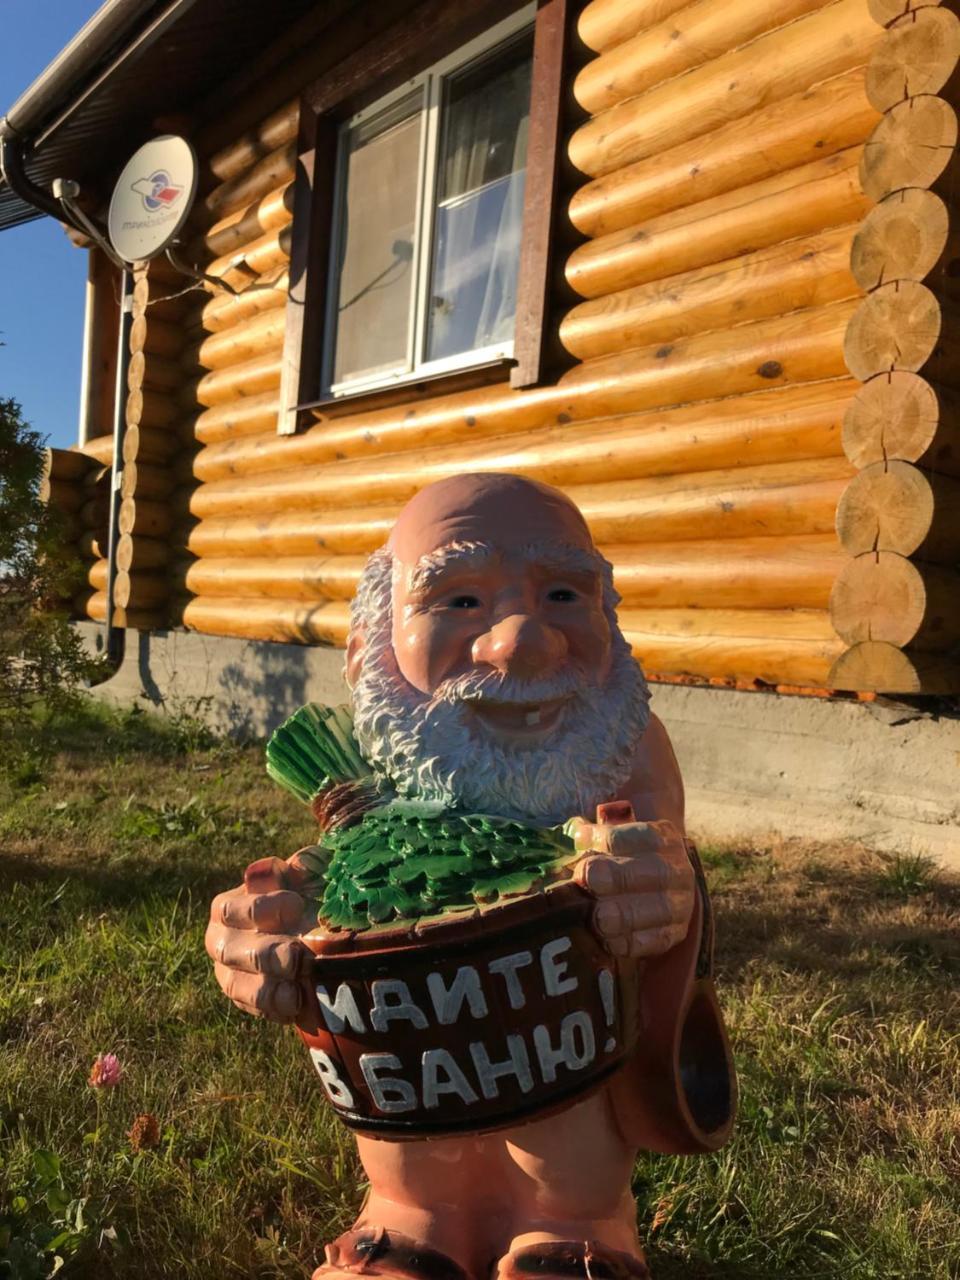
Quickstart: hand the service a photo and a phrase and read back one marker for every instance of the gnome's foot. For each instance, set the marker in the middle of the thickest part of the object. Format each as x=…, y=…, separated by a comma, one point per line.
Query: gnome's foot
x=375, y=1251
x=570, y=1260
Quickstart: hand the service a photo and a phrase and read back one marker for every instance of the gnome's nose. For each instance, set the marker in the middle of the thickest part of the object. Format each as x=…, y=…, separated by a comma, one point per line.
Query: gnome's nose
x=521, y=646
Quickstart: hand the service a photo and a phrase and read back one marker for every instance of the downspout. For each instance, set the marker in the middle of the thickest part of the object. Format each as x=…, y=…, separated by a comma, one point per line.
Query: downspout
x=116, y=636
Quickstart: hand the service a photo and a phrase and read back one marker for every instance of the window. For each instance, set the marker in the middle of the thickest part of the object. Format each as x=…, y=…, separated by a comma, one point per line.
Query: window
x=425, y=207
x=428, y=213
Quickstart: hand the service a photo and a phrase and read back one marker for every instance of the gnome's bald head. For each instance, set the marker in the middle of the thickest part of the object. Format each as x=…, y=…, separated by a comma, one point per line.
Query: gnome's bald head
x=488, y=669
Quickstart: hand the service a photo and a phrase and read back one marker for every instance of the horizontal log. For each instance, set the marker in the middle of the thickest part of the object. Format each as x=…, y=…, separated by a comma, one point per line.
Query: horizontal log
x=822, y=44
x=795, y=572
x=91, y=546
x=253, y=144
x=249, y=378
x=907, y=236
x=768, y=427
x=226, y=310
x=253, y=184
x=155, y=337
x=97, y=575
x=140, y=591
x=800, y=650
x=893, y=506
x=884, y=596
x=237, y=229
x=93, y=604
x=605, y=23
x=147, y=444
x=911, y=147
x=134, y=554
x=773, y=426
x=903, y=326
x=286, y=578
x=799, y=202
x=464, y=418
x=100, y=449
x=153, y=410
x=807, y=272
x=745, y=573
x=146, y=480
x=878, y=667
x=774, y=646
x=65, y=464
x=804, y=346
x=97, y=480
x=807, y=126
x=153, y=372
x=690, y=38
x=94, y=513
x=281, y=620
x=152, y=519
x=901, y=416
x=774, y=500
x=918, y=55
x=261, y=334
x=63, y=495
x=241, y=268
x=251, y=416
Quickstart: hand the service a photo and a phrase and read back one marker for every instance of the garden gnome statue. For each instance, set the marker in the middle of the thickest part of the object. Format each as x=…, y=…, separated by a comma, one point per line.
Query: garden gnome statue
x=508, y=989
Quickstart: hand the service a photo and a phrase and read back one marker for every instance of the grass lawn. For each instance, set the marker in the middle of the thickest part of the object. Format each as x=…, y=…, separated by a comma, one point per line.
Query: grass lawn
x=838, y=970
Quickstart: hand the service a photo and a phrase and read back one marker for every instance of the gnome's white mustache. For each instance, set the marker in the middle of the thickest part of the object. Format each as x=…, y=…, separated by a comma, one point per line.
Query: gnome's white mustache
x=501, y=687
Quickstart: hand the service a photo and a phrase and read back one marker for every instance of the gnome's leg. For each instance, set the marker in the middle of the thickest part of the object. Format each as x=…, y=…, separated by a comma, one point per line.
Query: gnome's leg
x=448, y=1197
x=570, y=1179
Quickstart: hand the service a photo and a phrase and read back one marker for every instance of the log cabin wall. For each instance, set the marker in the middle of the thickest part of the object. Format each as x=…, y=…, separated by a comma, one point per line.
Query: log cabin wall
x=699, y=428
x=896, y=601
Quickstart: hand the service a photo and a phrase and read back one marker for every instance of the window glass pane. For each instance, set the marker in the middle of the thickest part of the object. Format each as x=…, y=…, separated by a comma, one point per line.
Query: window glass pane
x=481, y=167
x=380, y=178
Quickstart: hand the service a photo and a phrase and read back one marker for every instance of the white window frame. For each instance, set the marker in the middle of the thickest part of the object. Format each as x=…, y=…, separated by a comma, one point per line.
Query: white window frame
x=430, y=84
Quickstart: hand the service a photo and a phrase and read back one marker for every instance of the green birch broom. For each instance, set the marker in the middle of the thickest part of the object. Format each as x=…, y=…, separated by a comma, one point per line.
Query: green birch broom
x=399, y=860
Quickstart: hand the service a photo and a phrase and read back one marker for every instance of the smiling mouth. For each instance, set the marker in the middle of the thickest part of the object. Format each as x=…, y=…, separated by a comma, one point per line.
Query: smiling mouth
x=519, y=719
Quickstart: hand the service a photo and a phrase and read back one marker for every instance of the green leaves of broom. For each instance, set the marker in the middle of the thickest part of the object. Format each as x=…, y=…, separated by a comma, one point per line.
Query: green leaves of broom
x=313, y=749
x=405, y=860
x=402, y=863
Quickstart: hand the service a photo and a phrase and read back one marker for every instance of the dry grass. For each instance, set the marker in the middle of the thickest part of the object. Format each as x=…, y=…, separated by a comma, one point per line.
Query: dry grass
x=838, y=970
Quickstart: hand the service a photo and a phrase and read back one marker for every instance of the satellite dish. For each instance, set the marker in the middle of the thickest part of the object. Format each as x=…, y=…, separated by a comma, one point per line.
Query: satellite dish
x=152, y=198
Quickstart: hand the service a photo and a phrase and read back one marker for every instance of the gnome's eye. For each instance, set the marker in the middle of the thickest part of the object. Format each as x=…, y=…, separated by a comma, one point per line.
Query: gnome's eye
x=465, y=602
x=562, y=595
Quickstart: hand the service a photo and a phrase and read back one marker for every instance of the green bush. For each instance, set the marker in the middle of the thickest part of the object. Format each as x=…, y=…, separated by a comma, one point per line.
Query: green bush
x=40, y=654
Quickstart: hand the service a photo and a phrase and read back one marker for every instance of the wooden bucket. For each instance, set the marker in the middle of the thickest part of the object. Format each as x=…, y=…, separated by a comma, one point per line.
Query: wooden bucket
x=470, y=1021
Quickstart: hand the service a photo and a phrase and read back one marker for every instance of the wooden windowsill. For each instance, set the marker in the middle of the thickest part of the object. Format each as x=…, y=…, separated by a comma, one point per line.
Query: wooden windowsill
x=434, y=384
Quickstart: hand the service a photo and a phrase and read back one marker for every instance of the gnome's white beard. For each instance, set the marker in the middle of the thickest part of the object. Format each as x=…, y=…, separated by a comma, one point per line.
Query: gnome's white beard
x=432, y=747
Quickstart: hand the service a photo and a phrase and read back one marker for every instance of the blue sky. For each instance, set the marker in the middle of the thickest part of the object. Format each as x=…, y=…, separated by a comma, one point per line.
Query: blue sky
x=42, y=276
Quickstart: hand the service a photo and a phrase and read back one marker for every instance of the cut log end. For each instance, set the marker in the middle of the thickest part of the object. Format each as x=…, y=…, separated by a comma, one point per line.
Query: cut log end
x=900, y=416
x=918, y=56
x=910, y=147
x=884, y=596
x=902, y=238
x=887, y=507
x=897, y=327
x=875, y=666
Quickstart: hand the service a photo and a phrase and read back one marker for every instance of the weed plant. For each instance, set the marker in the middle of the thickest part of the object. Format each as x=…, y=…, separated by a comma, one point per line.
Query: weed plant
x=838, y=977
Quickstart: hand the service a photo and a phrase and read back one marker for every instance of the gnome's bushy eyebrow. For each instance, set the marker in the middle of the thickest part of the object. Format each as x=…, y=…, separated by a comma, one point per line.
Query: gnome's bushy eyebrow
x=554, y=556
x=435, y=565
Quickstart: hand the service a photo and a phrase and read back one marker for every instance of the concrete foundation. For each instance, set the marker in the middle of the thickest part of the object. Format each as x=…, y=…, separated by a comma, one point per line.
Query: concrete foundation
x=756, y=765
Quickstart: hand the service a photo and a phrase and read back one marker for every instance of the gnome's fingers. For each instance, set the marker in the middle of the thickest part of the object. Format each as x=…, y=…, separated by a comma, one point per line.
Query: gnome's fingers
x=280, y=1000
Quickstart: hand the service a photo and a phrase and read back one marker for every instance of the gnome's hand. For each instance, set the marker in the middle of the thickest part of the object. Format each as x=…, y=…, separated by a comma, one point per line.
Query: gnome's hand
x=252, y=939
x=644, y=883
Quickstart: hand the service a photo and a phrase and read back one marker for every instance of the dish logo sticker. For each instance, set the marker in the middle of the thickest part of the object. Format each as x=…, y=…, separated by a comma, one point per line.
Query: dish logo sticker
x=157, y=191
